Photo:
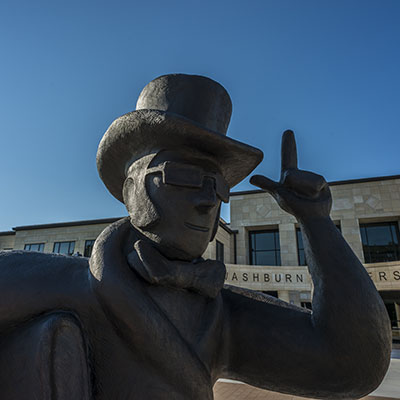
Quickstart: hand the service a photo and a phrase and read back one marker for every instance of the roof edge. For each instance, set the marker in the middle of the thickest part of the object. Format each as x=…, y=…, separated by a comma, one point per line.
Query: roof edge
x=7, y=233
x=66, y=224
x=332, y=183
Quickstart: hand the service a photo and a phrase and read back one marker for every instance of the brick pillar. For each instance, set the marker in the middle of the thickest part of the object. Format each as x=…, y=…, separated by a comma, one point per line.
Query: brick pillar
x=351, y=232
x=288, y=244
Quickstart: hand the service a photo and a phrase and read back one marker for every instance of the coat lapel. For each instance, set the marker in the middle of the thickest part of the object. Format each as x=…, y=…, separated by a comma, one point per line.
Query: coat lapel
x=138, y=319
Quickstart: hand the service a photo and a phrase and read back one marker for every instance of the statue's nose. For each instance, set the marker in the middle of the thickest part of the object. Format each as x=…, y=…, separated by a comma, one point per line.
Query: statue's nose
x=206, y=198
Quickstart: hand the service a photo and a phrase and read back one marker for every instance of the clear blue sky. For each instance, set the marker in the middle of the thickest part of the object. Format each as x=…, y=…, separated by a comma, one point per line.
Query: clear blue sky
x=329, y=70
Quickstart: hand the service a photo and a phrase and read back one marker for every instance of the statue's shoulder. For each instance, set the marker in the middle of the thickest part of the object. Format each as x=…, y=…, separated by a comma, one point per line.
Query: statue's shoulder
x=31, y=262
x=32, y=283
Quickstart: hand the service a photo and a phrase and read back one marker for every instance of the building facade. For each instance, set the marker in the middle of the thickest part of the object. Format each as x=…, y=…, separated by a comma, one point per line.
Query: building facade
x=262, y=245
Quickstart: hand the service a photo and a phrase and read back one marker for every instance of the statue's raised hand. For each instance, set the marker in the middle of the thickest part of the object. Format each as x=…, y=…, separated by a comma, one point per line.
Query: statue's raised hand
x=300, y=193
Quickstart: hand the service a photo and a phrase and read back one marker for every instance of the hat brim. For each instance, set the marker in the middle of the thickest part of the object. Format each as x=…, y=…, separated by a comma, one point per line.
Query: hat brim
x=143, y=132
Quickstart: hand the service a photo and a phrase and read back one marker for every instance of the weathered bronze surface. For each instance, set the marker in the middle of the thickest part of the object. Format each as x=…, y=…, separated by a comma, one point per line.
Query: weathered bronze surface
x=146, y=317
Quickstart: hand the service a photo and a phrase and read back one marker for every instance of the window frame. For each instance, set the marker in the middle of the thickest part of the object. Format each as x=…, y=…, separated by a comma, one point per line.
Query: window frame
x=91, y=248
x=40, y=250
x=70, y=253
x=368, y=257
x=219, y=251
x=276, y=250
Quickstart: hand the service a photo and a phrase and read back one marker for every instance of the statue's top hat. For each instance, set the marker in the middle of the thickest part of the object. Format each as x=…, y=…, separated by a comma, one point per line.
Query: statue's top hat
x=174, y=112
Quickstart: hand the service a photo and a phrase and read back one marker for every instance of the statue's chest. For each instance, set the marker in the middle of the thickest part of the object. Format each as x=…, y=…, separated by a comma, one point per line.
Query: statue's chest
x=196, y=318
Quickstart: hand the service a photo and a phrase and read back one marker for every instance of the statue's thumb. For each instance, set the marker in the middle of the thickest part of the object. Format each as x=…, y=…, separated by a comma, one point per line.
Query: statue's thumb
x=264, y=183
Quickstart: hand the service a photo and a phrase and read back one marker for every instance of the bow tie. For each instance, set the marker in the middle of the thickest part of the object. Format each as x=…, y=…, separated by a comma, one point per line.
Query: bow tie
x=204, y=277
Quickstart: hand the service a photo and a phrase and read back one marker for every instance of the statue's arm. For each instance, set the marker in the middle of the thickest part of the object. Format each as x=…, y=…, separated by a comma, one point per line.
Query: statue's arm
x=45, y=358
x=340, y=350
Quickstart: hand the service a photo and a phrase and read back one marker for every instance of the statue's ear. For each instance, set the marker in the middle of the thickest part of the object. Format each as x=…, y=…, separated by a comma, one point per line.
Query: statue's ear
x=216, y=224
x=140, y=208
x=127, y=191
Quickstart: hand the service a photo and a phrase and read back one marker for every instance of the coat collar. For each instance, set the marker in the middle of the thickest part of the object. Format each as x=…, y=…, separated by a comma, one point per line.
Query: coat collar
x=128, y=305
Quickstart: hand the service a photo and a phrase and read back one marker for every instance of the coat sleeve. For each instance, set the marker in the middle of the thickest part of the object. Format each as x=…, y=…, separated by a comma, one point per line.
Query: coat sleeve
x=276, y=346
x=45, y=358
x=33, y=283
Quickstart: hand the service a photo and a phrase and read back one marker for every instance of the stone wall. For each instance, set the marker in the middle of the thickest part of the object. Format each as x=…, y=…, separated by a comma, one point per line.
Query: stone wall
x=353, y=203
x=7, y=241
x=48, y=236
x=79, y=233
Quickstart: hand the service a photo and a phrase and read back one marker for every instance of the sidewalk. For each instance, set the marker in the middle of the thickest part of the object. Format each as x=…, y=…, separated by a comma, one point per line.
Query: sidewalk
x=232, y=390
x=241, y=391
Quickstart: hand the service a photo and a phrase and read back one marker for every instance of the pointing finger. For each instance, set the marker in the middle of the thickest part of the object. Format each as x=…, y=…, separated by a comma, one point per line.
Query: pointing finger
x=289, y=151
x=264, y=183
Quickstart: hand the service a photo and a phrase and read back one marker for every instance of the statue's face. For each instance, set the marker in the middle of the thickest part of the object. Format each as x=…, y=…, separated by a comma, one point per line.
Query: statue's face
x=187, y=193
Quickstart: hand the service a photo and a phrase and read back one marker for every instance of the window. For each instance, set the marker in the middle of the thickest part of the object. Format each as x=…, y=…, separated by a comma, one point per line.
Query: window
x=301, y=256
x=88, y=248
x=220, y=251
x=380, y=241
x=271, y=293
x=306, y=304
x=64, y=247
x=300, y=248
x=265, y=248
x=34, y=247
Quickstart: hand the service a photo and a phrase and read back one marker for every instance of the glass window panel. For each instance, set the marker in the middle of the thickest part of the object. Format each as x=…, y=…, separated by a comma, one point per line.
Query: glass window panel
x=265, y=258
x=379, y=235
x=220, y=251
x=64, y=247
x=88, y=248
x=266, y=241
x=252, y=258
x=264, y=247
x=34, y=247
x=302, y=257
x=300, y=244
x=300, y=248
x=253, y=240
x=380, y=242
x=363, y=235
x=278, y=258
x=394, y=233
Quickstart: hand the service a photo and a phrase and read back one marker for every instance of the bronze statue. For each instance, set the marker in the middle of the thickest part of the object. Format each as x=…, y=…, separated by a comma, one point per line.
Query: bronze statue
x=146, y=317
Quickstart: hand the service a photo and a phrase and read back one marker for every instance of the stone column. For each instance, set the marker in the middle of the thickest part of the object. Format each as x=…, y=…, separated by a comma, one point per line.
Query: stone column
x=397, y=308
x=288, y=244
x=351, y=232
x=284, y=295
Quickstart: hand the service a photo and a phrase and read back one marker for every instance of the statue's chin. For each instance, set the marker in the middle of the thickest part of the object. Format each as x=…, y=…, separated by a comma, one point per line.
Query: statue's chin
x=174, y=253
x=172, y=248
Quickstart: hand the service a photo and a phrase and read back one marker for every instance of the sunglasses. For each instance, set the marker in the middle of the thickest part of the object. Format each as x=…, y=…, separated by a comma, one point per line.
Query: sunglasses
x=190, y=176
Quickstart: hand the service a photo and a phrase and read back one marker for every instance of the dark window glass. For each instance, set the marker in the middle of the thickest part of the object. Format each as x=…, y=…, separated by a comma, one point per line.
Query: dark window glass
x=265, y=247
x=391, y=310
x=380, y=242
x=220, y=251
x=34, y=247
x=265, y=258
x=300, y=246
x=88, y=248
x=64, y=248
x=270, y=293
x=306, y=304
